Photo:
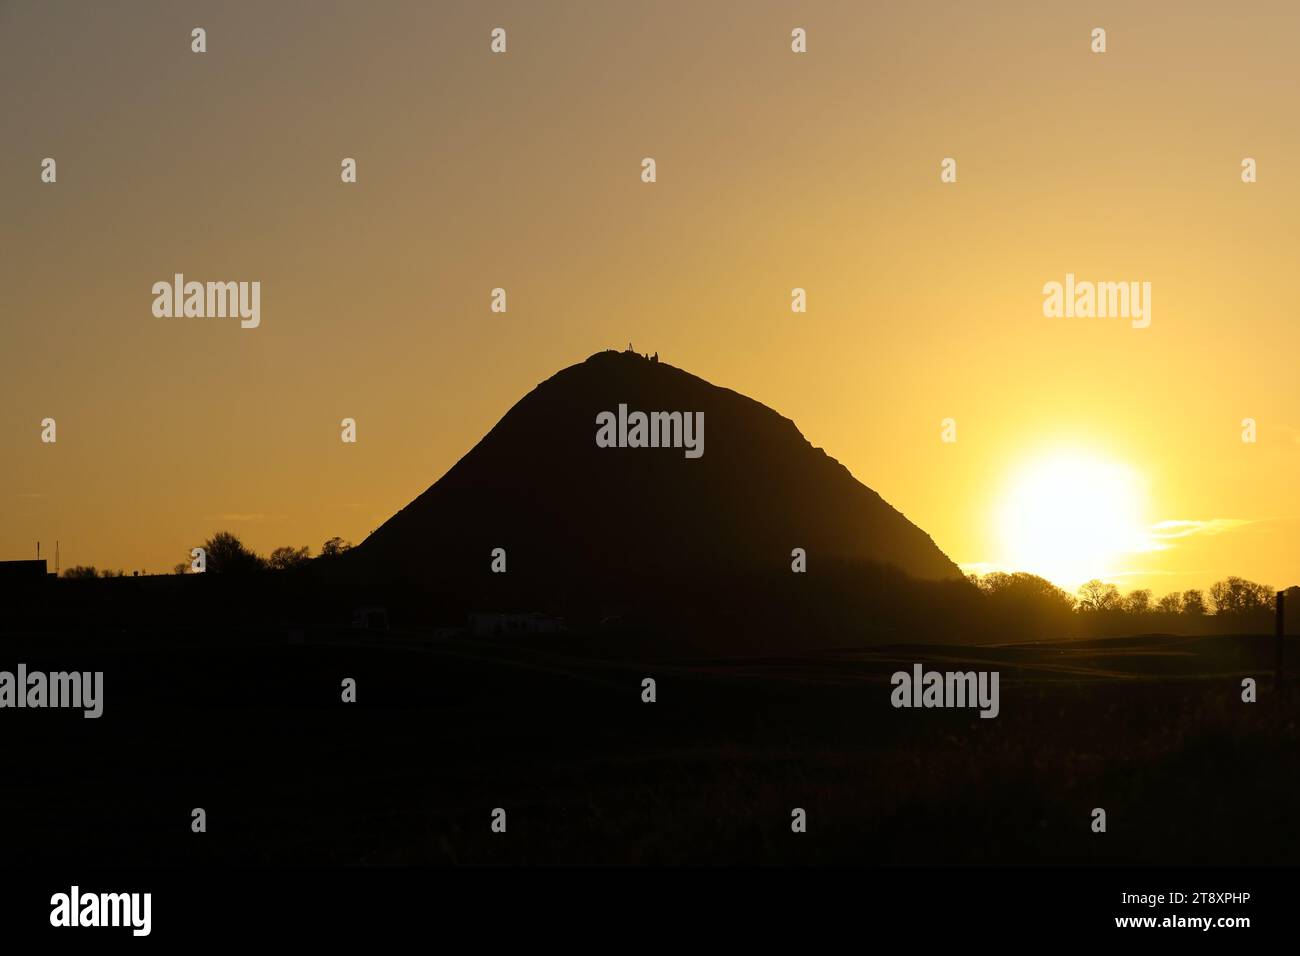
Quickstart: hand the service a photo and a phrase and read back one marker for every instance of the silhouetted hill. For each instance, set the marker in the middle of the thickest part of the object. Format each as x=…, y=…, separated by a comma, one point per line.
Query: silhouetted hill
x=621, y=523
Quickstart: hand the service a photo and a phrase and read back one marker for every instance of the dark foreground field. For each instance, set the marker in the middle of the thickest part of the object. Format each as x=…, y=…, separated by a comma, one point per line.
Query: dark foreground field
x=252, y=729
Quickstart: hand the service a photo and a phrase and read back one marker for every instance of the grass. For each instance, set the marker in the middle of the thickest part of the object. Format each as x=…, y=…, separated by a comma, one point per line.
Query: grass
x=1150, y=728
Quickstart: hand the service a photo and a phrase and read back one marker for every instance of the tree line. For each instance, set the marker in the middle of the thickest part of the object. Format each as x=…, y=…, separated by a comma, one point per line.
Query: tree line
x=224, y=553
x=1231, y=597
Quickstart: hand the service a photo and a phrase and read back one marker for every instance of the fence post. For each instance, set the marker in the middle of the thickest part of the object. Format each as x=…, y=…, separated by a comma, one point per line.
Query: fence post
x=1280, y=631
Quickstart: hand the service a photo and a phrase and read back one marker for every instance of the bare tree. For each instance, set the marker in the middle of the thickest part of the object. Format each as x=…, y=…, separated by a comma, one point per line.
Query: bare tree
x=1194, y=602
x=283, y=559
x=1138, y=602
x=1171, y=603
x=226, y=554
x=1235, y=596
x=334, y=547
x=1099, y=596
x=1025, y=587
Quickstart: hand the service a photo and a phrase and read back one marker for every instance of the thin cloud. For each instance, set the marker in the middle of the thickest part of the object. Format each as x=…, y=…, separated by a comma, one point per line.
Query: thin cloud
x=1159, y=535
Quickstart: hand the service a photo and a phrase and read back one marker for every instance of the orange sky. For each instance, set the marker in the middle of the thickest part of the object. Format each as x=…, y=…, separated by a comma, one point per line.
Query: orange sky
x=775, y=170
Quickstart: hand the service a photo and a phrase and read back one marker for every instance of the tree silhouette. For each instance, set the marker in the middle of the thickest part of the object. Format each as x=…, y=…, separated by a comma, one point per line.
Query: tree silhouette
x=1138, y=602
x=1097, y=595
x=1171, y=603
x=226, y=554
x=1194, y=602
x=334, y=547
x=1235, y=596
x=283, y=559
x=1024, y=587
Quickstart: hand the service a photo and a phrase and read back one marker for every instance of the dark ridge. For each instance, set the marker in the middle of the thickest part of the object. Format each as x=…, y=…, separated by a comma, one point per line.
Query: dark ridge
x=608, y=528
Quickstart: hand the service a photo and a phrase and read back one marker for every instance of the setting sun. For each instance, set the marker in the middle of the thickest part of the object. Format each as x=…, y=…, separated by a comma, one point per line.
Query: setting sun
x=1070, y=517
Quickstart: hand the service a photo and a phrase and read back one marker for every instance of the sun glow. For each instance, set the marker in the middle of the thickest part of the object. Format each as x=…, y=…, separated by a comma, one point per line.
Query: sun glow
x=1071, y=517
